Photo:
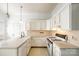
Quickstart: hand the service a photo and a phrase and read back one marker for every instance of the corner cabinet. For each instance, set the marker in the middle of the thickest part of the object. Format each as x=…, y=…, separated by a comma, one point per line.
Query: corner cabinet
x=24, y=49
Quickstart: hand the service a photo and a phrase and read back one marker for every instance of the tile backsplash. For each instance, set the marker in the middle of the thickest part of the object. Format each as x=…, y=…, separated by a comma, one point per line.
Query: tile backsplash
x=41, y=33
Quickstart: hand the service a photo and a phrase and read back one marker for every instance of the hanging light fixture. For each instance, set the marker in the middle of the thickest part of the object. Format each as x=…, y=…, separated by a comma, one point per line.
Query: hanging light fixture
x=21, y=21
x=21, y=12
x=7, y=11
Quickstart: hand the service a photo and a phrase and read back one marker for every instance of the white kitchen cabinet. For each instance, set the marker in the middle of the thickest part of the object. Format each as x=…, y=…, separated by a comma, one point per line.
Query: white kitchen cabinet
x=53, y=22
x=56, y=50
x=66, y=16
x=65, y=49
x=24, y=49
x=39, y=42
x=8, y=52
x=28, y=46
x=56, y=20
x=69, y=17
x=38, y=25
x=61, y=19
x=48, y=24
x=16, y=47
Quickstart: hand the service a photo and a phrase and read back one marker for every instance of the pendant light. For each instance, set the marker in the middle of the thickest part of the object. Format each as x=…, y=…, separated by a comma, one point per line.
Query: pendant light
x=22, y=32
x=21, y=12
x=7, y=11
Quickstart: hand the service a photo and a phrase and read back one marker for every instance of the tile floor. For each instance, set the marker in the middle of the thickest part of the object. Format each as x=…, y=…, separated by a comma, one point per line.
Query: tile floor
x=38, y=52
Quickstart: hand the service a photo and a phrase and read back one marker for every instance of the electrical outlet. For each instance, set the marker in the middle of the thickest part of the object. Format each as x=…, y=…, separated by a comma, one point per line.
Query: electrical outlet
x=72, y=37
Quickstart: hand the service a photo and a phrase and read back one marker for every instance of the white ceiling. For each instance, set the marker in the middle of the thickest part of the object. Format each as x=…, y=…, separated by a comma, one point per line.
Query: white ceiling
x=31, y=9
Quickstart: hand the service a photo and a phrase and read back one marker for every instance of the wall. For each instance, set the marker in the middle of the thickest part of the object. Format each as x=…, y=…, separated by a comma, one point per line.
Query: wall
x=3, y=21
x=40, y=33
x=75, y=16
x=14, y=26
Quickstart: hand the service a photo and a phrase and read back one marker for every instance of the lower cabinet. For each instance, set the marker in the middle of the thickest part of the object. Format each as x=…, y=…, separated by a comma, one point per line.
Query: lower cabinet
x=24, y=49
x=8, y=52
x=39, y=42
x=57, y=51
x=70, y=52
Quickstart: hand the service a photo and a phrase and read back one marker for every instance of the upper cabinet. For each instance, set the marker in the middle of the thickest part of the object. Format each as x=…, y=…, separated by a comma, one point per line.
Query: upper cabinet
x=66, y=17
x=38, y=25
x=56, y=20
x=48, y=24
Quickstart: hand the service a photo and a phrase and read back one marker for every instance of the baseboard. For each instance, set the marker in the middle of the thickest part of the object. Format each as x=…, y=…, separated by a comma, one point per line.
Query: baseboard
x=39, y=47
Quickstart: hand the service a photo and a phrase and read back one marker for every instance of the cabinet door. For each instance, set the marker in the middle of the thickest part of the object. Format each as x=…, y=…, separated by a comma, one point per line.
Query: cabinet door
x=49, y=24
x=37, y=41
x=38, y=25
x=43, y=25
x=22, y=50
x=43, y=41
x=35, y=25
x=64, y=18
x=28, y=46
x=55, y=21
x=56, y=50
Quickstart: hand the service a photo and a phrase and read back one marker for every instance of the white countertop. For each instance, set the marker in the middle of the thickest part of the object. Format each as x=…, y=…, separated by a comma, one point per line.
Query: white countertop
x=13, y=43
x=62, y=44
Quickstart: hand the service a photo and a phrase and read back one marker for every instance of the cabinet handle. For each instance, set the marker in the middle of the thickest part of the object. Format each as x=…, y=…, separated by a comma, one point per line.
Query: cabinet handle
x=41, y=32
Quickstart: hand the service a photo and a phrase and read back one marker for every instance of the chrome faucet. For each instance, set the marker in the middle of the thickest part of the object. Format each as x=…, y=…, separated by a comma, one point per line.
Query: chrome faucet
x=22, y=34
